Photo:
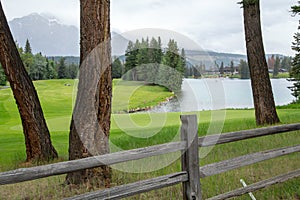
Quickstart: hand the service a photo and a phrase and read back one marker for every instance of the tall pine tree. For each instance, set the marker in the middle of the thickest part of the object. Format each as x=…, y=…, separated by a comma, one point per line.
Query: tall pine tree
x=28, y=47
x=276, y=66
x=244, y=70
x=61, y=71
x=145, y=61
x=171, y=74
x=295, y=71
x=35, y=130
x=131, y=61
x=231, y=67
x=90, y=125
x=222, y=68
x=182, y=61
x=117, y=68
x=264, y=104
x=172, y=58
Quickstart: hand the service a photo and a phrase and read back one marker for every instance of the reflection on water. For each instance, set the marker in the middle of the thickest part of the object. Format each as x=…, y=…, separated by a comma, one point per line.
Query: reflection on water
x=214, y=94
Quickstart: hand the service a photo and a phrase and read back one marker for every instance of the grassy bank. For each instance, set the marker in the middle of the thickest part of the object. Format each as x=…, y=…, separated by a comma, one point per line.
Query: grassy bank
x=284, y=75
x=131, y=95
x=130, y=131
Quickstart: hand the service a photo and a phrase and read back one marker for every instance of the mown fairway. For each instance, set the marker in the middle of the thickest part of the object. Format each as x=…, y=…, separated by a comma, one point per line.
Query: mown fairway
x=140, y=129
x=57, y=98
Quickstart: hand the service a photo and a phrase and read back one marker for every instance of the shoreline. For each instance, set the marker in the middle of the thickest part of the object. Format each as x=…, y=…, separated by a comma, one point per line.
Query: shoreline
x=144, y=109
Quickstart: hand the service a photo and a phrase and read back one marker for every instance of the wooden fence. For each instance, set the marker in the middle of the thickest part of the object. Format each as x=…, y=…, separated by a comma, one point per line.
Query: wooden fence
x=191, y=171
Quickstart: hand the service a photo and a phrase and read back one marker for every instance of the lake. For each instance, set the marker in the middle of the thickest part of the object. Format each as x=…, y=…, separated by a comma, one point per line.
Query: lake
x=221, y=93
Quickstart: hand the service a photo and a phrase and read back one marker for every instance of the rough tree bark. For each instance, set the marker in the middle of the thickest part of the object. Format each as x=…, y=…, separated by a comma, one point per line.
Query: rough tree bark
x=90, y=125
x=265, y=110
x=37, y=137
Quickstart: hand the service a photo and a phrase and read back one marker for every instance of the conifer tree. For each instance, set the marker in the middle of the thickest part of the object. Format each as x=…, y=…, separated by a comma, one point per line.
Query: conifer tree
x=145, y=61
x=50, y=71
x=90, y=125
x=61, y=72
x=28, y=47
x=276, y=66
x=222, y=68
x=171, y=58
x=264, y=104
x=155, y=51
x=117, y=68
x=37, y=137
x=142, y=53
x=295, y=71
x=232, y=67
x=182, y=61
x=131, y=61
x=286, y=63
x=244, y=70
x=172, y=74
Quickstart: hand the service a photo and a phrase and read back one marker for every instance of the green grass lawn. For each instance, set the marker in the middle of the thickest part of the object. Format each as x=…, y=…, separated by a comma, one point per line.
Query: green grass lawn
x=281, y=75
x=57, y=98
x=129, y=95
x=130, y=131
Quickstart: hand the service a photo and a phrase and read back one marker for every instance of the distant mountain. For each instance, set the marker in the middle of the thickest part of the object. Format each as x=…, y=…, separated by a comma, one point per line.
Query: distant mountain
x=119, y=44
x=54, y=39
x=210, y=58
x=46, y=34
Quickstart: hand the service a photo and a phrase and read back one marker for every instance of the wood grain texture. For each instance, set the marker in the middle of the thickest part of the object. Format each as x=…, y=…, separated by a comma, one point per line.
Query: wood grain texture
x=35, y=130
x=135, y=188
x=190, y=158
x=263, y=98
x=191, y=172
x=249, y=159
x=90, y=124
x=33, y=173
x=246, y=134
x=258, y=185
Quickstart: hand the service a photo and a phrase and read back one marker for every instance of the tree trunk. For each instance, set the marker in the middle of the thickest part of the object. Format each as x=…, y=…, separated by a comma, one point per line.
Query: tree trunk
x=37, y=137
x=265, y=110
x=90, y=124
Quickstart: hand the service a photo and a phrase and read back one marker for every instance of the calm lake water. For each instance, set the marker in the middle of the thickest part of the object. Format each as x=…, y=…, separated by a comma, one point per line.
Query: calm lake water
x=214, y=94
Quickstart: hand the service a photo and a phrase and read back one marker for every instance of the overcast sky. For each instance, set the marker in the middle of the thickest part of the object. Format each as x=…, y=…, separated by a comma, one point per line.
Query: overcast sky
x=214, y=24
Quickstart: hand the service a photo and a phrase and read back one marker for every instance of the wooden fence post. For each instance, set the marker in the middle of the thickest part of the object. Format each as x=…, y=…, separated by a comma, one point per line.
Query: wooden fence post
x=190, y=157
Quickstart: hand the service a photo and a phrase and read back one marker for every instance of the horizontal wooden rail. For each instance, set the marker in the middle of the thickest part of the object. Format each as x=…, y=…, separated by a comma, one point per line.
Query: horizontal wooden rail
x=249, y=159
x=258, y=185
x=187, y=175
x=135, y=188
x=27, y=174
x=246, y=134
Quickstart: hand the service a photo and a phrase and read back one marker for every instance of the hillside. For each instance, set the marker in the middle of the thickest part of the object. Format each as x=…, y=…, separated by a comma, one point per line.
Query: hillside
x=54, y=39
x=46, y=34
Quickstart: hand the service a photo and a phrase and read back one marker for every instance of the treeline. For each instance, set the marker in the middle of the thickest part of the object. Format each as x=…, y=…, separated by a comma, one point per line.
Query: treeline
x=40, y=67
x=146, y=61
x=275, y=64
x=278, y=64
x=194, y=71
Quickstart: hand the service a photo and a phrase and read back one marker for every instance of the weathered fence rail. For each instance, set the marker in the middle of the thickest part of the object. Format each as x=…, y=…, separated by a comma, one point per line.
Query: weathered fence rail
x=258, y=185
x=247, y=134
x=27, y=174
x=190, y=174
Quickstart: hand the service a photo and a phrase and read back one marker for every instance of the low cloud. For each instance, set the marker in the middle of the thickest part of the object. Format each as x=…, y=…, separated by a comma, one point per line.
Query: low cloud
x=216, y=25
